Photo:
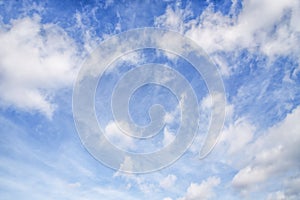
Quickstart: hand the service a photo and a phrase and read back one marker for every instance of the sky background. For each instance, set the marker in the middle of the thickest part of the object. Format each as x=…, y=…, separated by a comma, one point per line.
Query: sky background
x=254, y=44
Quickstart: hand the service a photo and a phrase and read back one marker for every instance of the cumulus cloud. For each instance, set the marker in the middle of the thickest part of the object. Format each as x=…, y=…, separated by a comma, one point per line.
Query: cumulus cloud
x=237, y=135
x=269, y=30
x=173, y=18
x=276, y=33
x=143, y=183
x=218, y=32
x=204, y=190
x=264, y=160
x=290, y=190
x=118, y=138
x=35, y=61
x=274, y=154
x=168, y=181
x=168, y=137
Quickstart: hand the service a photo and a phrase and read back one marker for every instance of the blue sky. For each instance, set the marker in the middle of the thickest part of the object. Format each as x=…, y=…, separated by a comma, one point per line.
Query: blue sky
x=254, y=45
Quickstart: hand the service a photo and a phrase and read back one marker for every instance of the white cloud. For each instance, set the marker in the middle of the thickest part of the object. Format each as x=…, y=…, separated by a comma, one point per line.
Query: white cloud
x=274, y=154
x=169, y=117
x=279, y=195
x=218, y=32
x=35, y=61
x=205, y=190
x=290, y=190
x=206, y=107
x=215, y=101
x=173, y=19
x=292, y=187
x=222, y=64
x=118, y=138
x=266, y=28
x=168, y=137
x=274, y=34
x=237, y=136
x=142, y=182
x=127, y=164
x=168, y=181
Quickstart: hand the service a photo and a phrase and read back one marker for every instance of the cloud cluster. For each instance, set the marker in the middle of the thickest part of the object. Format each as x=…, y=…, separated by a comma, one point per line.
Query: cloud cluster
x=168, y=181
x=204, y=190
x=263, y=160
x=269, y=30
x=274, y=154
x=36, y=60
x=118, y=138
x=268, y=27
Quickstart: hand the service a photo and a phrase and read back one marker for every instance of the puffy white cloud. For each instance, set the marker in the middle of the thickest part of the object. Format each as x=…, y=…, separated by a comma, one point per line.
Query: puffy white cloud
x=118, y=138
x=173, y=18
x=266, y=28
x=35, y=61
x=279, y=195
x=142, y=182
x=237, y=135
x=290, y=190
x=168, y=181
x=204, y=190
x=274, y=154
x=168, y=137
x=292, y=187
x=276, y=33
x=218, y=32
